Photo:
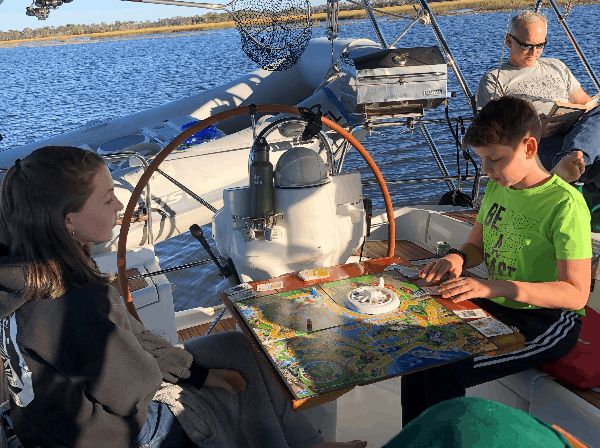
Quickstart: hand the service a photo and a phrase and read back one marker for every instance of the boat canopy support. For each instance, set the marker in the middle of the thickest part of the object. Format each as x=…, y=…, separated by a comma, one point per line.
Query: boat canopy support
x=449, y=58
x=436, y=155
x=562, y=21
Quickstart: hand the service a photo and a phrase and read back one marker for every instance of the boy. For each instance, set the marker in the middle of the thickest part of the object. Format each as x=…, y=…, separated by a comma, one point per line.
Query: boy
x=533, y=233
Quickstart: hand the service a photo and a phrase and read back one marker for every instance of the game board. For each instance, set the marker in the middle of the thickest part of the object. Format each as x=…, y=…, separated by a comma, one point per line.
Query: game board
x=346, y=348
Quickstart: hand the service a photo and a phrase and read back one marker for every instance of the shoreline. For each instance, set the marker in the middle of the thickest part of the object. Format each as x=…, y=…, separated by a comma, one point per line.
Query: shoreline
x=444, y=8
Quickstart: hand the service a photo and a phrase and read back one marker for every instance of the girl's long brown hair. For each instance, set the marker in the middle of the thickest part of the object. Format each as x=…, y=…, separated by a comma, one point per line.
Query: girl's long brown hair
x=36, y=195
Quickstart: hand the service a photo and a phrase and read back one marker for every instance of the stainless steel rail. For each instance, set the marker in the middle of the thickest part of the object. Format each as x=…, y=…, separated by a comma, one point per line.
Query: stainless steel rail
x=188, y=191
x=141, y=158
x=372, y=182
x=175, y=268
x=410, y=121
x=436, y=155
x=562, y=22
x=371, y=15
x=444, y=47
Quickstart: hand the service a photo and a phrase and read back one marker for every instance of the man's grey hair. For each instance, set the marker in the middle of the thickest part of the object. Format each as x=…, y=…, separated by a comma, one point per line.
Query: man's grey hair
x=525, y=18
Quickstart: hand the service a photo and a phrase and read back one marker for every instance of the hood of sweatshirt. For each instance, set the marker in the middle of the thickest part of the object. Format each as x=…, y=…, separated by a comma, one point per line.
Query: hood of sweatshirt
x=12, y=282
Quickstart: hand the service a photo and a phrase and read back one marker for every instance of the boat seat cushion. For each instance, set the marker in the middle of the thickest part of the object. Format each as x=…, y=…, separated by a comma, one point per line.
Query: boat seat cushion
x=580, y=367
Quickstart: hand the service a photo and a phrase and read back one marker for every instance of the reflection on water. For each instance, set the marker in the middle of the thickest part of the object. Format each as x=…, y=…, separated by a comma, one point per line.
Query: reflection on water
x=47, y=90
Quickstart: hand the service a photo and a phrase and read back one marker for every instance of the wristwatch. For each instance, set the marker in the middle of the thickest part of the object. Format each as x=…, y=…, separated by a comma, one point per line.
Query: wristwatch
x=458, y=252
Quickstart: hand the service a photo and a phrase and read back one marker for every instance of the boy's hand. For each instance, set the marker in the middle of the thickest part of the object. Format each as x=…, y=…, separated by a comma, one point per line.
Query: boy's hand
x=551, y=125
x=465, y=288
x=230, y=380
x=435, y=270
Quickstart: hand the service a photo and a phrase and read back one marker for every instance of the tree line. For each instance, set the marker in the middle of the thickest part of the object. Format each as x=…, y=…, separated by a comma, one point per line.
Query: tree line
x=211, y=17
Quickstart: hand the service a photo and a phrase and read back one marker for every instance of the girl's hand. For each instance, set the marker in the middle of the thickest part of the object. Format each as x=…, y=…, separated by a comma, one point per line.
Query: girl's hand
x=465, y=288
x=435, y=270
x=230, y=380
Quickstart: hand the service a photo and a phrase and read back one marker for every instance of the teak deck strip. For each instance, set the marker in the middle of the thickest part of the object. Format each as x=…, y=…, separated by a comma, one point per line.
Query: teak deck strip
x=200, y=330
x=468, y=216
x=404, y=249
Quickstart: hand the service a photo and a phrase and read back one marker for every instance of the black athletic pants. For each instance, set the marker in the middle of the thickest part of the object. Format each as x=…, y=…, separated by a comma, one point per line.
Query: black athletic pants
x=549, y=333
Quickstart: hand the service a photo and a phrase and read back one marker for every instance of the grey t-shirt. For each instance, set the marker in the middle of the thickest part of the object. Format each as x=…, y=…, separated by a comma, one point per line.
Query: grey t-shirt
x=547, y=81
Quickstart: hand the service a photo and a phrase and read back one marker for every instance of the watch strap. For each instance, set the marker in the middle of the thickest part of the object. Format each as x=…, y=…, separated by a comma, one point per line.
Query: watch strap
x=458, y=252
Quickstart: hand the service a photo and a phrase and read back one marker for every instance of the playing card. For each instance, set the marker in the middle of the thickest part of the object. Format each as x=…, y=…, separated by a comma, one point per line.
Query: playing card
x=238, y=288
x=489, y=326
x=246, y=294
x=269, y=286
x=431, y=290
x=404, y=270
x=470, y=314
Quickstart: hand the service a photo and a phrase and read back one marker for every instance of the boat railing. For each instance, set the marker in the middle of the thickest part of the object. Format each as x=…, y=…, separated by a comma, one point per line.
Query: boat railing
x=562, y=21
x=372, y=182
x=142, y=159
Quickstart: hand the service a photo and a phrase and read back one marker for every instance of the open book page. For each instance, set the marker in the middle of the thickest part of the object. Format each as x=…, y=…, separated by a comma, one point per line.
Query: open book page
x=592, y=102
x=572, y=112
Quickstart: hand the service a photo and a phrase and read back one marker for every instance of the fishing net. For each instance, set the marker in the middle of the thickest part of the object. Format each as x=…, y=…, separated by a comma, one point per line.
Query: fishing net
x=274, y=34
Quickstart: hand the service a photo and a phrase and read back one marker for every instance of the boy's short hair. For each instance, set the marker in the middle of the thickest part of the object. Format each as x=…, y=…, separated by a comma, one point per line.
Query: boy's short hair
x=505, y=121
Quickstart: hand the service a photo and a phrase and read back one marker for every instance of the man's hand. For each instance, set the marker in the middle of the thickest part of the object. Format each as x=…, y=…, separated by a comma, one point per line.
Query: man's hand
x=230, y=380
x=551, y=125
x=465, y=288
x=435, y=270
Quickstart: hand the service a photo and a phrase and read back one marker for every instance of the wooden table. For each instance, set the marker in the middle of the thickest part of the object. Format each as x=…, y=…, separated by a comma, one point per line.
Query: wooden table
x=505, y=343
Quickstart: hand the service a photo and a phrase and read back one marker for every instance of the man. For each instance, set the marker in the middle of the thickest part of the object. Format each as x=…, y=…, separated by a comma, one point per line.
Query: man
x=544, y=81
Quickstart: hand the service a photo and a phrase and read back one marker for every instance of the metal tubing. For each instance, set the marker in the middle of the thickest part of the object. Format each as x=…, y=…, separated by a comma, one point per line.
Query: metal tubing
x=369, y=183
x=141, y=158
x=175, y=268
x=216, y=321
x=371, y=15
x=404, y=32
x=440, y=38
x=436, y=155
x=387, y=124
x=188, y=191
x=561, y=21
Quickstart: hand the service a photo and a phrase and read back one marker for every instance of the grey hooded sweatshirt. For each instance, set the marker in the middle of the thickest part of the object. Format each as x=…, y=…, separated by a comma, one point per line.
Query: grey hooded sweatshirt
x=81, y=369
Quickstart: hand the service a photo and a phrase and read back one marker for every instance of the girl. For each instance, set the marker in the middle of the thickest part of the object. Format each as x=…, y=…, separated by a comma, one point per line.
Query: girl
x=82, y=372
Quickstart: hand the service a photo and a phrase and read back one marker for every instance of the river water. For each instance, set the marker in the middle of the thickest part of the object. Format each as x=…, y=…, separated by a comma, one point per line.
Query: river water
x=47, y=89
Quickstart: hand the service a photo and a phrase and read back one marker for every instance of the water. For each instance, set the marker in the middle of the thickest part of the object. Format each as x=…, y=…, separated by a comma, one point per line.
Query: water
x=50, y=89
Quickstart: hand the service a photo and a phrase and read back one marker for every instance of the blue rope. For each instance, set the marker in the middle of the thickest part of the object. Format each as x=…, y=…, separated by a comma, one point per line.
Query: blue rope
x=340, y=107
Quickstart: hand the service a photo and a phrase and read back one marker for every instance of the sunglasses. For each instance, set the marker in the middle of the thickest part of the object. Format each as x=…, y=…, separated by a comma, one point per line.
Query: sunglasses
x=528, y=47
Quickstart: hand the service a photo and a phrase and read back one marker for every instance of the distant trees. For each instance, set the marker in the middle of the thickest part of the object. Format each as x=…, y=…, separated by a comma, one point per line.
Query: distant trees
x=211, y=17
x=75, y=30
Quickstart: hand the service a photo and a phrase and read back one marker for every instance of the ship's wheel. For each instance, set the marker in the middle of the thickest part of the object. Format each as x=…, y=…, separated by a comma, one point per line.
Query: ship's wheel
x=252, y=109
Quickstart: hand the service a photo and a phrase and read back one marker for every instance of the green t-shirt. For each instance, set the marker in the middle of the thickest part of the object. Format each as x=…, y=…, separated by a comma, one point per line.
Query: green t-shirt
x=526, y=231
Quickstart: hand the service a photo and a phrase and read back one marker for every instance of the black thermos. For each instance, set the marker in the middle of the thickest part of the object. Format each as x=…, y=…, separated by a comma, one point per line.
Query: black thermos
x=261, y=181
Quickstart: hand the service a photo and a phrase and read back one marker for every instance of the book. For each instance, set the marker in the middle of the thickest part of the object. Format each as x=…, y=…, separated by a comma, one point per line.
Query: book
x=572, y=112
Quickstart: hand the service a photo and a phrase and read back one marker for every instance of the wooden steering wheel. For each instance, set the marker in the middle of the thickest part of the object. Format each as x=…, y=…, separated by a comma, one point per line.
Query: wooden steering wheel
x=162, y=155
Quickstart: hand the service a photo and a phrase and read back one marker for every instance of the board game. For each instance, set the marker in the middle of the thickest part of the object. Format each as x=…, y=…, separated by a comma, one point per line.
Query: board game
x=320, y=343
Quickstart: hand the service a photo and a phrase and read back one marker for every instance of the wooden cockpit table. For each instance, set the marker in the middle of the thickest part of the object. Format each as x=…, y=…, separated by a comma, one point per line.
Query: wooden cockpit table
x=340, y=348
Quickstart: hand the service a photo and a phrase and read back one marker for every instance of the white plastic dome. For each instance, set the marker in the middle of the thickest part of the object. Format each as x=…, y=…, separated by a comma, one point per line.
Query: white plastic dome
x=300, y=167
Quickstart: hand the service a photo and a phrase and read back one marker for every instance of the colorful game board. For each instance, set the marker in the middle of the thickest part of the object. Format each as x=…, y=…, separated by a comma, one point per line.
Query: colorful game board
x=346, y=348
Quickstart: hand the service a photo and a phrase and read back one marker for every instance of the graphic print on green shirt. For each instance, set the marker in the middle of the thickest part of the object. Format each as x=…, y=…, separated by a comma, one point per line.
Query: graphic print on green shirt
x=526, y=231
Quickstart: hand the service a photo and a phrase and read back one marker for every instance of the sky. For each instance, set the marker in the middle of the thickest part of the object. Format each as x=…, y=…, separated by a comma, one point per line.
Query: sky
x=87, y=12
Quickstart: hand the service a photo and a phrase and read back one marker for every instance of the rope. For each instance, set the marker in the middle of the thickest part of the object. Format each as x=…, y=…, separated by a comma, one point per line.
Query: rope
x=567, y=9
x=503, y=47
x=340, y=107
